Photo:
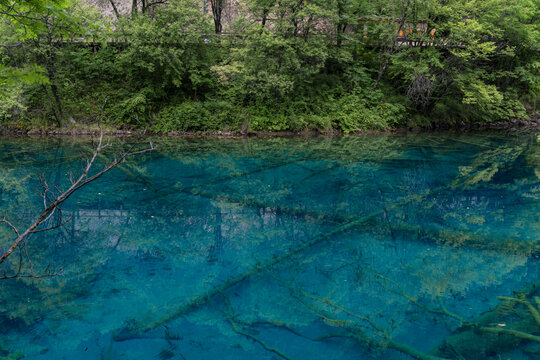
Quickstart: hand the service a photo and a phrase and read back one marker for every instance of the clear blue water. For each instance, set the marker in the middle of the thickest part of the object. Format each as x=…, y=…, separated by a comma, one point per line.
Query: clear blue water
x=370, y=247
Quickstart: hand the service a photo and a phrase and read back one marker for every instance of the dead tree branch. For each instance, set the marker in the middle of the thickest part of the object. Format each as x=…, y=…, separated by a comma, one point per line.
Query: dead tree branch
x=53, y=198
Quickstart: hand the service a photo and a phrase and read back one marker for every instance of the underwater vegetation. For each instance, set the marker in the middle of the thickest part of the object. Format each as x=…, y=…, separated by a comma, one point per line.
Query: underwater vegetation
x=419, y=246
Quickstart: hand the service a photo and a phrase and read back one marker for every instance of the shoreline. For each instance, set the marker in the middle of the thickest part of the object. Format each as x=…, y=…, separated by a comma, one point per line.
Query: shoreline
x=91, y=130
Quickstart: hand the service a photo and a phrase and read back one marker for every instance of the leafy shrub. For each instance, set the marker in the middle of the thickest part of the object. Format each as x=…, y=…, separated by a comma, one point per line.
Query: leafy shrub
x=11, y=102
x=197, y=116
x=358, y=112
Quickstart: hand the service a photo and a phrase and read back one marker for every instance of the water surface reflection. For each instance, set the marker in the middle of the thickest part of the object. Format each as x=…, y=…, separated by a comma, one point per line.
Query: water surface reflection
x=373, y=247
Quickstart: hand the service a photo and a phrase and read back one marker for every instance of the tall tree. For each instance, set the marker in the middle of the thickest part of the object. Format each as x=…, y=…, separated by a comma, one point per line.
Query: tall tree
x=217, y=11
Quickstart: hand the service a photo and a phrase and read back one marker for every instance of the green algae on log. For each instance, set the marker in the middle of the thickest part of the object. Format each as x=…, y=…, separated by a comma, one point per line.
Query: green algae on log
x=499, y=329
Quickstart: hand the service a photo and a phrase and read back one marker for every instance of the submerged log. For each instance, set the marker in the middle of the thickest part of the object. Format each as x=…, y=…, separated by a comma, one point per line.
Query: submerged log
x=503, y=328
x=448, y=235
x=133, y=328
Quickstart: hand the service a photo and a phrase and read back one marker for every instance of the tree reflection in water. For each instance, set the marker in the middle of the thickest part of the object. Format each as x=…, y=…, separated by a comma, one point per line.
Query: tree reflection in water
x=388, y=247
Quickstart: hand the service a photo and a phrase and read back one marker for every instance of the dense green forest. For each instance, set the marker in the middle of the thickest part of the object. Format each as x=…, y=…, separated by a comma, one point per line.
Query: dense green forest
x=277, y=65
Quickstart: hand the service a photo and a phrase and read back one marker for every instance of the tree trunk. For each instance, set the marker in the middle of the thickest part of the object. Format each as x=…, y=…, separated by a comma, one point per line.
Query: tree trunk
x=393, y=46
x=115, y=9
x=134, y=8
x=51, y=73
x=217, y=9
x=264, y=16
x=135, y=329
x=339, y=32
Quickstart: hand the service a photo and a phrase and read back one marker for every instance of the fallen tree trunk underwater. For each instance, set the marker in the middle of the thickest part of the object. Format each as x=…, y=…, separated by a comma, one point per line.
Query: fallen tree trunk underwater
x=132, y=329
x=415, y=232
x=470, y=337
x=506, y=326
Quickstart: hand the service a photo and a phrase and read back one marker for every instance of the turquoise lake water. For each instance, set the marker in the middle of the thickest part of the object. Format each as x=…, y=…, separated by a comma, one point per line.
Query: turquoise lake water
x=369, y=247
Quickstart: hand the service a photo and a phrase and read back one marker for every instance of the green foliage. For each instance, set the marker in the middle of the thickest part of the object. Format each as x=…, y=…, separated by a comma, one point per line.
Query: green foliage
x=357, y=112
x=11, y=102
x=291, y=65
x=288, y=118
x=167, y=48
x=12, y=83
x=29, y=16
x=270, y=68
x=197, y=116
